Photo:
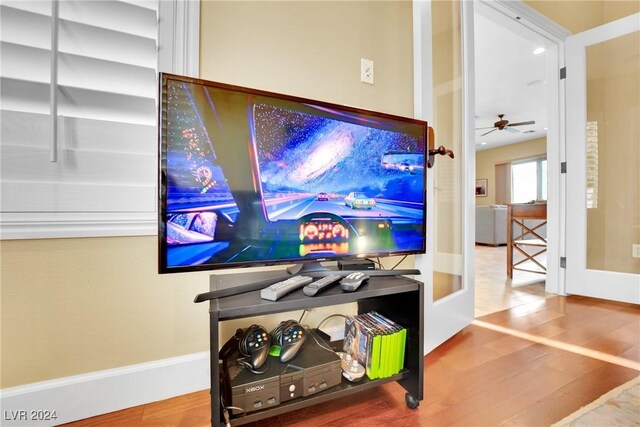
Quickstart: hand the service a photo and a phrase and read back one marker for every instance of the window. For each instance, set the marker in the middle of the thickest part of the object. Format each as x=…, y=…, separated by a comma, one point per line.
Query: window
x=100, y=60
x=528, y=181
x=592, y=165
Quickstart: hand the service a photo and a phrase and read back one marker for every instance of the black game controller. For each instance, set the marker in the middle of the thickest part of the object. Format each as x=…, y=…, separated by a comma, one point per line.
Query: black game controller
x=290, y=336
x=254, y=343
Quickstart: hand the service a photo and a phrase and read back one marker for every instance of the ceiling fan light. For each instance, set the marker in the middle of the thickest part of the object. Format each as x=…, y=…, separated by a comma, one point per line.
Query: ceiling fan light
x=538, y=50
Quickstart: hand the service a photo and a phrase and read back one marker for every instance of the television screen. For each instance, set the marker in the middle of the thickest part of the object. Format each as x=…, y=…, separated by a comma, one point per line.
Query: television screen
x=252, y=178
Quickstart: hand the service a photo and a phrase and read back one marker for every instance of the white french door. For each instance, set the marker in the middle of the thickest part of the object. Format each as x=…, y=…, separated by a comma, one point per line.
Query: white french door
x=603, y=161
x=443, y=69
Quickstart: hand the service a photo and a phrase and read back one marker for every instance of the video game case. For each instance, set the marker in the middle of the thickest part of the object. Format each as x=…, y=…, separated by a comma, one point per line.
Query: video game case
x=377, y=342
x=369, y=356
x=398, y=342
x=375, y=363
x=402, y=342
x=356, y=340
x=383, y=335
x=389, y=344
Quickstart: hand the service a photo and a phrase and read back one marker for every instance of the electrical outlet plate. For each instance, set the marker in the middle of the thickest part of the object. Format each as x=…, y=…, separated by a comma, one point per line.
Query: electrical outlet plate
x=635, y=249
x=366, y=71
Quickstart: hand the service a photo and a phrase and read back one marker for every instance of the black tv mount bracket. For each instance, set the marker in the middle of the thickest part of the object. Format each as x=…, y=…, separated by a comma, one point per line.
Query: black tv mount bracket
x=433, y=152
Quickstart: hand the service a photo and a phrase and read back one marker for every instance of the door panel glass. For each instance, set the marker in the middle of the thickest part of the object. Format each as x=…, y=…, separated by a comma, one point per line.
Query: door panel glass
x=613, y=154
x=447, y=124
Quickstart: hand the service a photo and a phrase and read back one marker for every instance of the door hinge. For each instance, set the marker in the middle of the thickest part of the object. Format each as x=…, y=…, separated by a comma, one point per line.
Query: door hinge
x=563, y=167
x=563, y=73
x=563, y=262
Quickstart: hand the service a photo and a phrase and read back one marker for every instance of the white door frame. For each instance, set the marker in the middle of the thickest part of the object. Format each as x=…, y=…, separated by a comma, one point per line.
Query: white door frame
x=448, y=315
x=445, y=317
x=581, y=280
x=515, y=15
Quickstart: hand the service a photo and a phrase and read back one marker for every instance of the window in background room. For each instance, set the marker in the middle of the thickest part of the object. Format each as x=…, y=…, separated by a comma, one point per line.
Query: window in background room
x=529, y=181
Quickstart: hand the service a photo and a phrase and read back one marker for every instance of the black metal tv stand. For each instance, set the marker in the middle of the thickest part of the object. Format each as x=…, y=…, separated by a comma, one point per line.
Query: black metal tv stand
x=399, y=298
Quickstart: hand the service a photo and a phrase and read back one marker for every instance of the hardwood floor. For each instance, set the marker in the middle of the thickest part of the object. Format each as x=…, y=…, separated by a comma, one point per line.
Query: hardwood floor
x=494, y=291
x=529, y=365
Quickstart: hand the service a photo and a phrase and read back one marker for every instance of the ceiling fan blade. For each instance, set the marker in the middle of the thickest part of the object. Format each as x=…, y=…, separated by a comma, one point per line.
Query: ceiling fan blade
x=532, y=122
x=508, y=129
x=487, y=133
x=488, y=127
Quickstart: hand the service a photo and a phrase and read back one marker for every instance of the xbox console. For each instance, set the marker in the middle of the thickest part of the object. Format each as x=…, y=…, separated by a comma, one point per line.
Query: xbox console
x=313, y=370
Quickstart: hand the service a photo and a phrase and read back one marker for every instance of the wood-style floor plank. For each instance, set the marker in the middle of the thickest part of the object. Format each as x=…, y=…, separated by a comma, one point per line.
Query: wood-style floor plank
x=479, y=377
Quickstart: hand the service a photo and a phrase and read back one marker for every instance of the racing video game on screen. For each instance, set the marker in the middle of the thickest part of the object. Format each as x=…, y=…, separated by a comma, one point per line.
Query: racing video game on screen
x=253, y=178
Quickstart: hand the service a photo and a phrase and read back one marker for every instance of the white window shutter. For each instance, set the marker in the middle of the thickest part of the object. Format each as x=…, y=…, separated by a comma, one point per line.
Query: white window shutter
x=104, y=180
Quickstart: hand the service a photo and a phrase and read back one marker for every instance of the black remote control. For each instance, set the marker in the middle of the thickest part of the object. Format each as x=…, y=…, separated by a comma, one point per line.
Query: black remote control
x=319, y=285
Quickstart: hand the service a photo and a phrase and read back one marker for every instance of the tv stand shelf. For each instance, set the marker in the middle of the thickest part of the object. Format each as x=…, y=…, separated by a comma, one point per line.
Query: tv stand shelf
x=397, y=297
x=342, y=390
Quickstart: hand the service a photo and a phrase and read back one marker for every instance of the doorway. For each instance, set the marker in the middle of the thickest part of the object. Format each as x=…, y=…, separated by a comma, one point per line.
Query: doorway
x=516, y=134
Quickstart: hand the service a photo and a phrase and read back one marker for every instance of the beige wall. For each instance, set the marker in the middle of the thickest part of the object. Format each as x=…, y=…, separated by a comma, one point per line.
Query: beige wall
x=581, y=15
x=486, y=160
x=312, y=49
x=72, y=306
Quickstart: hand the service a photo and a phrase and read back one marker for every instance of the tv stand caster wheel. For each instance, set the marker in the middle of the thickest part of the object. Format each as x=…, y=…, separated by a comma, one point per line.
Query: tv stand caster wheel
x=411, y=401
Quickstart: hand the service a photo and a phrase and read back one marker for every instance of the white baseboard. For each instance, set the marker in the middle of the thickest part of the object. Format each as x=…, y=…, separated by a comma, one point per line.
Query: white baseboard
x=83, y=396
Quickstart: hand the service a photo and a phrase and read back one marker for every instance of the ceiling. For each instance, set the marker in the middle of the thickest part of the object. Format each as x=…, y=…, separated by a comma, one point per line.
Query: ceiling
x=509, y=80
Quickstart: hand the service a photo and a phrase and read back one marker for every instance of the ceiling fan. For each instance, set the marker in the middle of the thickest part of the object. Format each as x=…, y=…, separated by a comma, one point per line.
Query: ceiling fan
x=505, y=125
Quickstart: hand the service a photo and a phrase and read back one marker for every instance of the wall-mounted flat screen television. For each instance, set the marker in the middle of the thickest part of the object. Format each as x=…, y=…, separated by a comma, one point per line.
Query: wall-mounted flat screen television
x=251, y=178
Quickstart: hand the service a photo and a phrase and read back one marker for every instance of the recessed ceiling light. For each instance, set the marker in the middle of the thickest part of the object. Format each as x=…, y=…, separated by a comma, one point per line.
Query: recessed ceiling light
x=545, y=128
x=538, y=51
x=483, y=143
